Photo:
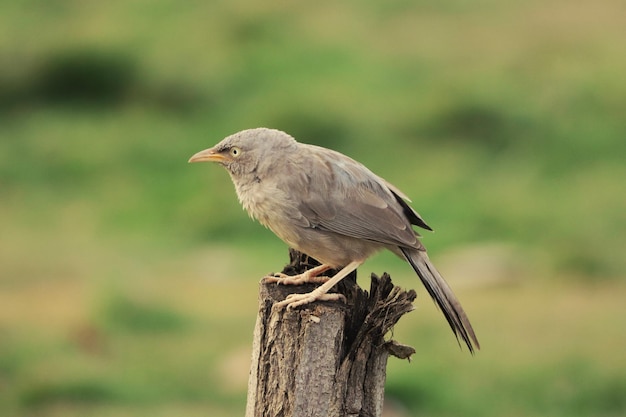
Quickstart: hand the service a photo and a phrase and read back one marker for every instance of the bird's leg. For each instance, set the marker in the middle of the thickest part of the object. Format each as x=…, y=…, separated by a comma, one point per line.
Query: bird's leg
x=308, y=276
x=321, y=292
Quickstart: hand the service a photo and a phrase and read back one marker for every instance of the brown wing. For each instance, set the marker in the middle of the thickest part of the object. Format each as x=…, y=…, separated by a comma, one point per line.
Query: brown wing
x=343, y=196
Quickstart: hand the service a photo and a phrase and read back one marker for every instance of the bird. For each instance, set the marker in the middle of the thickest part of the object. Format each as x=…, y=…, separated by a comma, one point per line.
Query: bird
x=332, y=208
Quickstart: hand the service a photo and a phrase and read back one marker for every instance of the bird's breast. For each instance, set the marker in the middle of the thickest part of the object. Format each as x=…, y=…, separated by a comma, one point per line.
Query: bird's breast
x=263, y=202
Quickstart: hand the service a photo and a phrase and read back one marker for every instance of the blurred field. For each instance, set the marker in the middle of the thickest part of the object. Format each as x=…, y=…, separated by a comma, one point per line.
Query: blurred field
x=128, y=278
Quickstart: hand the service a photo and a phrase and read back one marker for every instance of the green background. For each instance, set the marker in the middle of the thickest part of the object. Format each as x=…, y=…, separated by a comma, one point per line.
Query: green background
x=128, y=278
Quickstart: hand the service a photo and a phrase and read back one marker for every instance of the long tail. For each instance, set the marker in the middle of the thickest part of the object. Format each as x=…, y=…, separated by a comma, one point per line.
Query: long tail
x=439, y=290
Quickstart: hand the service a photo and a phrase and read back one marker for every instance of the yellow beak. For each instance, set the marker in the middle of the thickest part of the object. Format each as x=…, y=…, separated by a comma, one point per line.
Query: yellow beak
x=208, y=155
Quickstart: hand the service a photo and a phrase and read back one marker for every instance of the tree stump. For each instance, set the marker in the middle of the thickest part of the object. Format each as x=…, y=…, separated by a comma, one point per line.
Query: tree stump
x=325, y=359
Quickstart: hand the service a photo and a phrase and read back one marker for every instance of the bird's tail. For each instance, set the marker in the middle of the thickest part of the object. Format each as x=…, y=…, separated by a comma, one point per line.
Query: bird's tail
x=442, y=294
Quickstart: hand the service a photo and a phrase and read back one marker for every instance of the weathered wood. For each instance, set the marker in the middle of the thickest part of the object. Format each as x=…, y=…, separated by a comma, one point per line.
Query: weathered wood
x=325, y=359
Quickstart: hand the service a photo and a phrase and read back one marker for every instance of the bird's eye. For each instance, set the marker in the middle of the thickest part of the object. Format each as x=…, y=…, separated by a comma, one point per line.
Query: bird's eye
x=235, y=151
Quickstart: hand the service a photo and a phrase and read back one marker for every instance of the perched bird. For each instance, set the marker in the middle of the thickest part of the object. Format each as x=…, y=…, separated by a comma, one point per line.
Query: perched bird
x=332, y=208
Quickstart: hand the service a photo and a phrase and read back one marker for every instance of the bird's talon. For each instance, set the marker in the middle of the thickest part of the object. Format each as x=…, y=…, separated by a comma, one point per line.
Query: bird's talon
x=296, y=300
x=276, y=277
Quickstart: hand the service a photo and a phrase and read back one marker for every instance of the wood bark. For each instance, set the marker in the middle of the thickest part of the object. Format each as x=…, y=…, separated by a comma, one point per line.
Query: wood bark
x=325, y=359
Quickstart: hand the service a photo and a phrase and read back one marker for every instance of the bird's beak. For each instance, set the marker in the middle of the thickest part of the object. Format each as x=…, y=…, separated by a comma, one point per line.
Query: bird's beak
x=207, y=155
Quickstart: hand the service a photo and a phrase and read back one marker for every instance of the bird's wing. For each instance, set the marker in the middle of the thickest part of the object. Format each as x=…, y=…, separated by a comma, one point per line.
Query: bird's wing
x=409, y=211
x=342, y=196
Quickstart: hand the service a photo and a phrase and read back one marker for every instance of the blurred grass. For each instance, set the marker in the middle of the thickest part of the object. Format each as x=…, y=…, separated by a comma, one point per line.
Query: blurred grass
x=127, y=276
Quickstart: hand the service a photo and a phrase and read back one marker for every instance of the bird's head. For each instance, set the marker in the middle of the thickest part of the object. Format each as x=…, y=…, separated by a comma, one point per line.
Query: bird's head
x=248, y=152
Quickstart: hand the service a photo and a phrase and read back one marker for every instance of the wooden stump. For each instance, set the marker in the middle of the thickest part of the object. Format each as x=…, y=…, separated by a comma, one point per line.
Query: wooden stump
x=325, y=359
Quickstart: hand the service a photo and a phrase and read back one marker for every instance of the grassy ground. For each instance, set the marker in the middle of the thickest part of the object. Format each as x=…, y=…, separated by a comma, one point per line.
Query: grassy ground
x=127, y=277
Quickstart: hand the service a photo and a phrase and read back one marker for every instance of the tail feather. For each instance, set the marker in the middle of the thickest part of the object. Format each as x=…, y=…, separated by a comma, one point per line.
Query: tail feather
x=442, y=294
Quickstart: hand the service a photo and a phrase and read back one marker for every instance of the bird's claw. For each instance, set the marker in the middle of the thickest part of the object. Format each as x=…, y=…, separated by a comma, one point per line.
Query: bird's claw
x=276, y=277
x=304, y=278
x=296, y=300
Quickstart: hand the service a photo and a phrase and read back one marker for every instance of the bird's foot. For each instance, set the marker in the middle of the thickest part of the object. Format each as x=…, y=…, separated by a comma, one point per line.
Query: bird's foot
x=307, y=277
x=296, y=300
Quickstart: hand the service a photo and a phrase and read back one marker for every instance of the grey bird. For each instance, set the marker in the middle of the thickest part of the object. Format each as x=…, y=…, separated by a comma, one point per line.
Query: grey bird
x=332, y=208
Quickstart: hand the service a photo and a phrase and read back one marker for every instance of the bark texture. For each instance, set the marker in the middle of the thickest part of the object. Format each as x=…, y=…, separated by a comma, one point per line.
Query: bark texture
x=325, y=359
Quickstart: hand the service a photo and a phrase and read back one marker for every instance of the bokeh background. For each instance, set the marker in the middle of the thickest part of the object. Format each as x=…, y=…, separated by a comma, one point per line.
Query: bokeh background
x=128, y=278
